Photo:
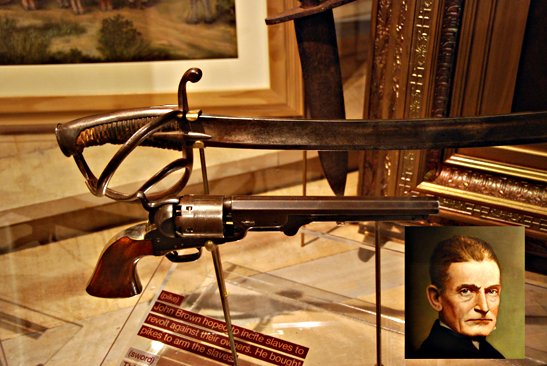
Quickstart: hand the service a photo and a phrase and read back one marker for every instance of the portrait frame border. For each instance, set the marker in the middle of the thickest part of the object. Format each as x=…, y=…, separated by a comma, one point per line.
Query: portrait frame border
x=507, y=242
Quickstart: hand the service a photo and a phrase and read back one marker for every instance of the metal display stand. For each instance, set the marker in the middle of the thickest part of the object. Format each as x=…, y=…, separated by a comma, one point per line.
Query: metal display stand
x=263, y=336
x=333, y=327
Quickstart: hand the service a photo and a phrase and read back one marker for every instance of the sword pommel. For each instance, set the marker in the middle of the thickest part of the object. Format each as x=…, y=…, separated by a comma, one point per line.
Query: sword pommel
x=193, y=75
x=308, y=7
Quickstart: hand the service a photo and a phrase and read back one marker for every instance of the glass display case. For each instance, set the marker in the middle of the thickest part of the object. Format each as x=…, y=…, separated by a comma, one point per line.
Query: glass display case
x=308, y=299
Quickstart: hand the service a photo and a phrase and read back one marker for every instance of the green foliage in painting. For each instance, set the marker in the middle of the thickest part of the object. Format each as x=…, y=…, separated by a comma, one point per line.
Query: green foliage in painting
x=120, y=41
x=30, y=44
x=20, y=47
x=226, y=11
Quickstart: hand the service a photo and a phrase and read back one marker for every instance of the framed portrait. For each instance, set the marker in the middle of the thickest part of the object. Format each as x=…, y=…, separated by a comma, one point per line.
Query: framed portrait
x=503, y=324
x=261, y=76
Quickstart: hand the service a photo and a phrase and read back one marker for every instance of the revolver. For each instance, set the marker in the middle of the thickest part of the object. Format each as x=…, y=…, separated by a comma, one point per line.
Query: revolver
x=195, y=221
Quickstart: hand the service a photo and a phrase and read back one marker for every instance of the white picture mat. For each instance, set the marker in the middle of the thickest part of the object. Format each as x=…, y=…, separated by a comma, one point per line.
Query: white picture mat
x=249, y=71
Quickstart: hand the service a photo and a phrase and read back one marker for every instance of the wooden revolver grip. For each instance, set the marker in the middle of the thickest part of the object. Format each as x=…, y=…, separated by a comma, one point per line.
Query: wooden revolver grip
x=116, y=272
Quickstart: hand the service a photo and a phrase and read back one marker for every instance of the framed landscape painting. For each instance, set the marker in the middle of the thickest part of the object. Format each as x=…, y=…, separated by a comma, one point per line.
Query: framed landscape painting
x=88, y=31
x=59, y=61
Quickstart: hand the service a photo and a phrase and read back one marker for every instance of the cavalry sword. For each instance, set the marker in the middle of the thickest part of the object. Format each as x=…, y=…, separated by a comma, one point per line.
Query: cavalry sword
x=304, y=134
x=178, y=128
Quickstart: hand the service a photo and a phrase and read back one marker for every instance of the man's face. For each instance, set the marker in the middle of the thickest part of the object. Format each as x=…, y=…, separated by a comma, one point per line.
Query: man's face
x=471, y=298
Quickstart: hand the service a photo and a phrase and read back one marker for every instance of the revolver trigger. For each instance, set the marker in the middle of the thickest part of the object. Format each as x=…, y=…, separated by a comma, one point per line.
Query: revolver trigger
x=176, y=258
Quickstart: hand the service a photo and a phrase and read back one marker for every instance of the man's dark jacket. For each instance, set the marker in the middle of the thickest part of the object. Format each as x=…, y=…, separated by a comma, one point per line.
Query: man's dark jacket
x=444, y=343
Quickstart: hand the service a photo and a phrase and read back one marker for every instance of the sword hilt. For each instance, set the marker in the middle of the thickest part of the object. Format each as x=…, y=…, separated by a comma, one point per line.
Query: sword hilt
x=120, y=131
x=110, y=128
x=132, y=128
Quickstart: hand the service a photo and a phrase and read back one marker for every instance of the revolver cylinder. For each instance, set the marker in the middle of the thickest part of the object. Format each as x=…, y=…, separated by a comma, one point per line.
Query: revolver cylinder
x=200, y=216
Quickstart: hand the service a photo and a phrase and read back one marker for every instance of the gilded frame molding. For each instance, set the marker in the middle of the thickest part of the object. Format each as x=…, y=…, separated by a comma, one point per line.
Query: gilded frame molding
x=421, y=78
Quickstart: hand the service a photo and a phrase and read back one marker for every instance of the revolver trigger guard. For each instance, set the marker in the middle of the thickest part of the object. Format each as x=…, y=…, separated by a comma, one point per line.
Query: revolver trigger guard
x=176, y=258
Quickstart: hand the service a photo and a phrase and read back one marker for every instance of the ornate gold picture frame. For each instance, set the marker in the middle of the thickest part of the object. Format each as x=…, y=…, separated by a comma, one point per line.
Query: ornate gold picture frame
x=451, y=58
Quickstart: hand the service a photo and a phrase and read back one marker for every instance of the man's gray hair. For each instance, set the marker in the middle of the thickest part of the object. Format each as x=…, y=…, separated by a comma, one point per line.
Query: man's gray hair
x=458, y=248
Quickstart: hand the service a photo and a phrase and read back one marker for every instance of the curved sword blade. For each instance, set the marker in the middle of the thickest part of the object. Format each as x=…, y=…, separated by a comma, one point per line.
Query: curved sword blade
x=317, y=46
x=404, y=134
x=318, y=49
x=304, y=134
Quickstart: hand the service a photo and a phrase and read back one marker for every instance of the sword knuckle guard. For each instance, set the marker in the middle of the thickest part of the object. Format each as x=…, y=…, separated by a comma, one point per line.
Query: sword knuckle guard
x=132, y=128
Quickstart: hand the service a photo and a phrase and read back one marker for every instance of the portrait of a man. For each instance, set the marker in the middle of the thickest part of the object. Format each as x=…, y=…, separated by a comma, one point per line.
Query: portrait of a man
x=465, y=289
